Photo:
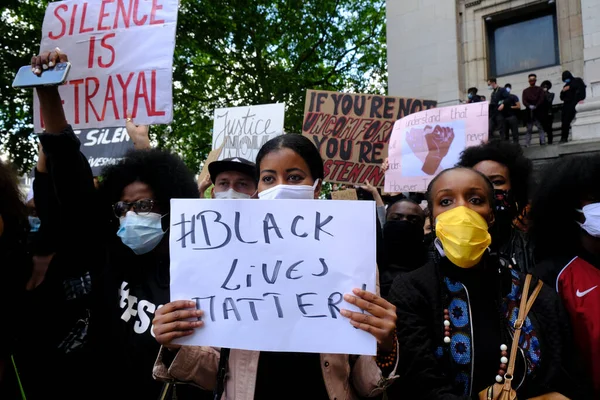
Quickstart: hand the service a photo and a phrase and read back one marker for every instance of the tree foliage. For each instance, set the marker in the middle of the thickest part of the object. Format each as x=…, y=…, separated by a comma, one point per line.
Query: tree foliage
x=228, y=53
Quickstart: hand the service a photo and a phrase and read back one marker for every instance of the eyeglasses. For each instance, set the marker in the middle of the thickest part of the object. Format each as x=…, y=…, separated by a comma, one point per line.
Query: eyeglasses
x=141, y=206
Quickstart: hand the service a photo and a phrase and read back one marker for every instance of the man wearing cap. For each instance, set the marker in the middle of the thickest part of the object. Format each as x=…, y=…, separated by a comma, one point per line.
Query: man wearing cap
x=233, y=178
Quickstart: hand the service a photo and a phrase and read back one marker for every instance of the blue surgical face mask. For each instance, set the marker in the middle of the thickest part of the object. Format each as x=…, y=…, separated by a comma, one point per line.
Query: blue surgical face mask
x=141, y=232
x=567, y=80
x=470, y=95
x=34, y=224
x=507, y=90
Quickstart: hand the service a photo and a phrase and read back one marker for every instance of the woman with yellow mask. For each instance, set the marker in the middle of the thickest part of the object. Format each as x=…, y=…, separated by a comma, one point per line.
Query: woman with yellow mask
x=457, y=314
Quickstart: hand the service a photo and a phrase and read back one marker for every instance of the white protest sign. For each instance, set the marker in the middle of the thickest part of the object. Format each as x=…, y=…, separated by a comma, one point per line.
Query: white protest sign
x=121, y=53
x=245, y=129
x=272, y=279
x=425, y=143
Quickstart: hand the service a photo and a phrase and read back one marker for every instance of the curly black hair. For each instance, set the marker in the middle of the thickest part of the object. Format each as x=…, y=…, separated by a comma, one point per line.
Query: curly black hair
x=508, y=154
x=564, y=185
x=12, y=206
x=164, y=172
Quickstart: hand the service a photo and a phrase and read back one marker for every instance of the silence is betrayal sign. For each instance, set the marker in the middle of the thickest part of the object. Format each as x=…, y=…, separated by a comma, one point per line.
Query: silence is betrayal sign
x=271, y=279
x=243, y=130
x=104, y=147
x=426, y=143
x=352, y=131
x=121, y=53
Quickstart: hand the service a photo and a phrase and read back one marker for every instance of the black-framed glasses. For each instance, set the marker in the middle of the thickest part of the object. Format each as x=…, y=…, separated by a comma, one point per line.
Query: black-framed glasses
x=141, y=206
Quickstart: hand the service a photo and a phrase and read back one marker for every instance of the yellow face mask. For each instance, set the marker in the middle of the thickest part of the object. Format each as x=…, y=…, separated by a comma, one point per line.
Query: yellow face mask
x=464, y=236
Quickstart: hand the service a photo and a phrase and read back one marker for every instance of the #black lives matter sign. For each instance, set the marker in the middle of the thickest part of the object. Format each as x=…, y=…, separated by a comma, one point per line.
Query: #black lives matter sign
x=270, y=275
x=103, y=147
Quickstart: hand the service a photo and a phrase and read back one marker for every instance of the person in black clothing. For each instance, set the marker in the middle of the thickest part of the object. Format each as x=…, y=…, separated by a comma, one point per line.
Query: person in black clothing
x=403, y=245
x=509, y=110
x=572, y=93
x=456, y=314
x=118, y=232
x=473, y=96
x=509, y=170
x=546, y=110
x=499, y=95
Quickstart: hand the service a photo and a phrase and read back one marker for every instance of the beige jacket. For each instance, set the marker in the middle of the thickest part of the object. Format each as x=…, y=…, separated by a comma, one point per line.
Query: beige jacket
x=198, y=365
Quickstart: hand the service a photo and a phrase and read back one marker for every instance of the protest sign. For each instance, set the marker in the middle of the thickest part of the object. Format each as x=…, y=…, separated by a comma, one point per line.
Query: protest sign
x=243, y=130
x=426, y=143
x=347, y=194
x=352, y=131
x=121, y=54
x=104, y=147
x=272, y=279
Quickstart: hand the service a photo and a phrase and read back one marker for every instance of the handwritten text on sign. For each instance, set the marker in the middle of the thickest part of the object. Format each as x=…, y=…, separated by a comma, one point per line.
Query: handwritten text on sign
x=352, y=131
x=426, y=143
x=243, y=130
x=121, y=53
x=271, y=279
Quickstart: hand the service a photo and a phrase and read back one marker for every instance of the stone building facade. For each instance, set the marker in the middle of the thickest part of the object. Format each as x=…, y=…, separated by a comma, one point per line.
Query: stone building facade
x=437, y=49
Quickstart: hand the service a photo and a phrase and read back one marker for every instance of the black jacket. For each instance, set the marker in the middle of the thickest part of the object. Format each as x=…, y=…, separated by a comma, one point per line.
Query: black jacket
x=417, y=296
x=576, y=91
x=126, y=289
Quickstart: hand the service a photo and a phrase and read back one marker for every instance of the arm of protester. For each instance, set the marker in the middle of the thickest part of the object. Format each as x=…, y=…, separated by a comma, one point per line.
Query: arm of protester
x=139, y=134
x=374, y=192
x=517, y=106
x=204, y=184
x=38, y=274
x=197, y=364
x=422, y=374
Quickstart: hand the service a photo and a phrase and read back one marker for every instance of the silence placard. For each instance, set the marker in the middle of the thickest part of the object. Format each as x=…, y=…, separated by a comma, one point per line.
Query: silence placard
x=270, y=275
x=352, y=131
x=243, y=130
x=426, y=143
x=104, y=147
x=122, y=60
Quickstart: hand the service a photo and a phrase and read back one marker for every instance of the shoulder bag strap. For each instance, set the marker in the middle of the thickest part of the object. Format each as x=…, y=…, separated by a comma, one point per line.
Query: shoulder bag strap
x=526, y=304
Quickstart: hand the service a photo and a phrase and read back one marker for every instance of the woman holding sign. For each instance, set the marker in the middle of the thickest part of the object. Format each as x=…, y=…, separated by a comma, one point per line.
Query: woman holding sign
x=290, y=167
x=470, y=328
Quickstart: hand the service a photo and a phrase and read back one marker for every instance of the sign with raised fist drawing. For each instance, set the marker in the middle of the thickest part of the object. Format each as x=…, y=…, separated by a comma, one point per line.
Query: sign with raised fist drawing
x=425, y=143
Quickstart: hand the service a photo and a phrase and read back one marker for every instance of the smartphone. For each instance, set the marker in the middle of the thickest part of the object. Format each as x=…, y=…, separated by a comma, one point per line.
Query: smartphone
x=54, y=76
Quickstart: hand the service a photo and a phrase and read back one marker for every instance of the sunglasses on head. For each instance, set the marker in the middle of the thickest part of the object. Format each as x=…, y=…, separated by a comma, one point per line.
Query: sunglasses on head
x=141, y=206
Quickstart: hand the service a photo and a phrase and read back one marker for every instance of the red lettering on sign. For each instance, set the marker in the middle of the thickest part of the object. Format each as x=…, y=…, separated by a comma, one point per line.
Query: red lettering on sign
x=141, y=92
x=63, y=24
x=155, y=7
x=76, y=84
x=153, y=112
x=89, y=96
x=108, y=47
x=126, y=16
x=102, y=15
x=73, y=14
x=110, y=97
x=92, y=52
x=83, y=29
x=124, y=86
x=138, y=22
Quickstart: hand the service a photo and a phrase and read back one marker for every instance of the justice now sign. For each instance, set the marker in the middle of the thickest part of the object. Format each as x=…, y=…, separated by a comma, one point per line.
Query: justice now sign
x=121, y=54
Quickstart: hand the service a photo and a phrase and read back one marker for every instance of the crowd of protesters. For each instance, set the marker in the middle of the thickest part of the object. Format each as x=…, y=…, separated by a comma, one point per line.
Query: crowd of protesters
x=488, y=286
x=506, y=111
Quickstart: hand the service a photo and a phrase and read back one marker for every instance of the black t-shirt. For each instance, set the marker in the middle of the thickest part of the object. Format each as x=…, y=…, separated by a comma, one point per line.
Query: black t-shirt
x=290, y=376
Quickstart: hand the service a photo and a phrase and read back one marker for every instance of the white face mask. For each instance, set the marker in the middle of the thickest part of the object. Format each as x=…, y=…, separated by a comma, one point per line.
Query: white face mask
x=592, y=219
x=231, y=194
x=291, y=192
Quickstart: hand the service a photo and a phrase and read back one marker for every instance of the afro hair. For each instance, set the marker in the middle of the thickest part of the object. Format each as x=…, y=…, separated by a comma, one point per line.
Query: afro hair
x=509, y=155
x=165, y=174
x=563, y=186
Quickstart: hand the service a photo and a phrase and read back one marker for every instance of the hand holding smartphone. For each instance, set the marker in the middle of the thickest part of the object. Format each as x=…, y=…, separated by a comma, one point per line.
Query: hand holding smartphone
x=47, y=69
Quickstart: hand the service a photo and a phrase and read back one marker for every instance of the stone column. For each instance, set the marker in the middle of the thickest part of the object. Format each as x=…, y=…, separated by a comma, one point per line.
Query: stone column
x=587, y=123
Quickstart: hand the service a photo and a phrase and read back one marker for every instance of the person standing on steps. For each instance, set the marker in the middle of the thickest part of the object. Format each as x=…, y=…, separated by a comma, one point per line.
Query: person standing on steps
x=499, y=95
x=572, y=93
x=509, y=110
x=533, y=99
x=546, y=112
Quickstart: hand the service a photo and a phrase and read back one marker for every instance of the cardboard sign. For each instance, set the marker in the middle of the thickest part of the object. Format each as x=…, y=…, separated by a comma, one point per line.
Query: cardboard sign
x=270, y=275
x=122, y=60
x=104, y=147
x=426, y=143
x=348, y=194
x=212, y=156
x=243, y=130
x=352, y=131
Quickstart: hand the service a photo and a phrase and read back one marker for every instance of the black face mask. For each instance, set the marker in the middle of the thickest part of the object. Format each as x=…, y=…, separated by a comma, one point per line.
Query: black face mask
x=403, y=243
